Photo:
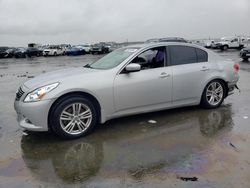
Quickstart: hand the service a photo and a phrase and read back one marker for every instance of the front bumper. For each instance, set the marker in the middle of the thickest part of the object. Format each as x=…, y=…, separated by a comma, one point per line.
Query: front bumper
x=244, y=54
x=47, y=53
x=96, y=50
x=33, y=116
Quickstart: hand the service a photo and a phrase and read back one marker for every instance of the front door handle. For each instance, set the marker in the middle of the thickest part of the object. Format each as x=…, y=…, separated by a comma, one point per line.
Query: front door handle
x=164, y=75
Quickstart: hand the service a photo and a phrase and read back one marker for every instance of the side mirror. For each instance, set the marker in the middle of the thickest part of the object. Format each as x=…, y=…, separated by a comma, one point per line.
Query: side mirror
x=133, y=67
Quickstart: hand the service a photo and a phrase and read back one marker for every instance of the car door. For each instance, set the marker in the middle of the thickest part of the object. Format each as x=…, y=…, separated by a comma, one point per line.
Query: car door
x=190, y=69
x=234, y=43
x=149, y=88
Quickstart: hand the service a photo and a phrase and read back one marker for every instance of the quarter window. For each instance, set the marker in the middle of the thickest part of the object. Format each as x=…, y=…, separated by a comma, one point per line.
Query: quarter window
x=201, y=55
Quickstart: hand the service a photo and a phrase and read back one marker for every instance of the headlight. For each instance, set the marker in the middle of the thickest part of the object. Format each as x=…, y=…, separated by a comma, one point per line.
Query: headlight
x=39, y=93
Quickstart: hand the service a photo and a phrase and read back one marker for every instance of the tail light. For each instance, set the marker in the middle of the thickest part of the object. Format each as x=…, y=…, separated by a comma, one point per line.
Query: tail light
x=236, y=67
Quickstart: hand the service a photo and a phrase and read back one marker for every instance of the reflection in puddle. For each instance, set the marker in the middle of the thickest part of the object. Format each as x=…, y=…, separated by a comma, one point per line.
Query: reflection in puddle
x=177, y=143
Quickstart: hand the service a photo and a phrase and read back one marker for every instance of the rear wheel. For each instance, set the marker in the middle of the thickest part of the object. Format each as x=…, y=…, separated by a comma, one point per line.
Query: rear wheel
x=213, y=94
x=73, y=117
x=225, y=47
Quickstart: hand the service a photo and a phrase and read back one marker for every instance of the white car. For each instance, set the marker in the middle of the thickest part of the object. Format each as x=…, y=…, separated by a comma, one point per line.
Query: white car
x=53, y=51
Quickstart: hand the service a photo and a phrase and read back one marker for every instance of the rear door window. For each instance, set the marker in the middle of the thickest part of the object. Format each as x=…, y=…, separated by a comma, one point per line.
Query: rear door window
x=181, y=55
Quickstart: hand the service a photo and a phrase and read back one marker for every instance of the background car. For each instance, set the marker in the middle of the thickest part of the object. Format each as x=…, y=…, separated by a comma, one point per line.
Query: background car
x=20, y=53
x=8, y=53
x=167, y=39
x=100, y=48
x=213, y=44
x=28, y=52
x=245, y=53
x=173, y=39
x=53, y=50
x=226, y=43
x=85, y=47
x=75, y=51
x=3, y=51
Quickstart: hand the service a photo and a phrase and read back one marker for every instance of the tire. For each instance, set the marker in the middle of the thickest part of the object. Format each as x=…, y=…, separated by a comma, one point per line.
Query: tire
x=225, y=47
x=245, y=58
x=55, y=54
x=210, y=98
x=62, y=115
x=83, y=52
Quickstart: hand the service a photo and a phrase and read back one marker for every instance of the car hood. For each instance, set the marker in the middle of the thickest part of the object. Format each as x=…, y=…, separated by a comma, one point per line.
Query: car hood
x=247, y=49
x=72, y=49
x=223, y=42
x=56, y=76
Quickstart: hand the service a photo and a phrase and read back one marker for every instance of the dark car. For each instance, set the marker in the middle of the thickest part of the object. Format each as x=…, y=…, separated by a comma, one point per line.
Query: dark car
x=172, y=39
x=100, y=48
x=245, y=53
x=9, y=53
x=28, y=52
x=167, y=39
x=74, y=51
x=3, y=52
x=20, y=53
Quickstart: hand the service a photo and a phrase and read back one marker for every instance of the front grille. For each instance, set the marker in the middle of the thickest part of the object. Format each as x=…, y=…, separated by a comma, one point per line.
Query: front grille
x=19, y=94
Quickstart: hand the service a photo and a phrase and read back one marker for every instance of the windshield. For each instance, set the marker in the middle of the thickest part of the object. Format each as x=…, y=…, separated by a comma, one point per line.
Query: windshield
x=113, y=59
x=226, y=39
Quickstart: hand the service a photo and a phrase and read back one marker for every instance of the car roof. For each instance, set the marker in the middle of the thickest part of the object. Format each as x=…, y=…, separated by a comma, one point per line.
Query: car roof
x=158, y=44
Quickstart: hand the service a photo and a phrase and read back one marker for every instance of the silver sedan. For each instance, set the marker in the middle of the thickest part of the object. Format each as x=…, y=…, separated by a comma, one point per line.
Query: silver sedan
x=130, y=80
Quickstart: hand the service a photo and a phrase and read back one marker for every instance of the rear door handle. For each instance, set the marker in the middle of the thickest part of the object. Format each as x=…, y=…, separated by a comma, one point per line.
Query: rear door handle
x=164, y=75
x=205, y=69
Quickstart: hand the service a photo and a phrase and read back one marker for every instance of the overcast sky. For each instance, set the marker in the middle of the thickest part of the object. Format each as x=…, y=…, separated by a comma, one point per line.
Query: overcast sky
x=79, y=21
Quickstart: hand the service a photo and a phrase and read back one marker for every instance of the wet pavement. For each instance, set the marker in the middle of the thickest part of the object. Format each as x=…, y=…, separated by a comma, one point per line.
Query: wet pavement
x=185, y=147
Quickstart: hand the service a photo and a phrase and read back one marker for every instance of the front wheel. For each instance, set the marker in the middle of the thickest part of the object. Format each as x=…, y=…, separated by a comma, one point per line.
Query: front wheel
x=213, y=94
x=73, y=117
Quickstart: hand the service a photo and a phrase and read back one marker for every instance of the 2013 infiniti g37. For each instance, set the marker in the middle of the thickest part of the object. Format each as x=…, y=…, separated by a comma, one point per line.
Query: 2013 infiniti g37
x=130, y=80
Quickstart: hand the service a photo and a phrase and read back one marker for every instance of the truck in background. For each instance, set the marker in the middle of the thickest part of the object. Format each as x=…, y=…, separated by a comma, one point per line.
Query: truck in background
x=236, y=42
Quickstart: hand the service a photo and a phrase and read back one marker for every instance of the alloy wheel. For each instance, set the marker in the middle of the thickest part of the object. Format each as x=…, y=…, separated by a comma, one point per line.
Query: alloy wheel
x=75, y=118
x=214, y=93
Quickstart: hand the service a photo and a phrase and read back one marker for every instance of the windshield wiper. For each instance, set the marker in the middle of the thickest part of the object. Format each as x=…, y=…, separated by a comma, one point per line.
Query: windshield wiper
x=88, y=66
